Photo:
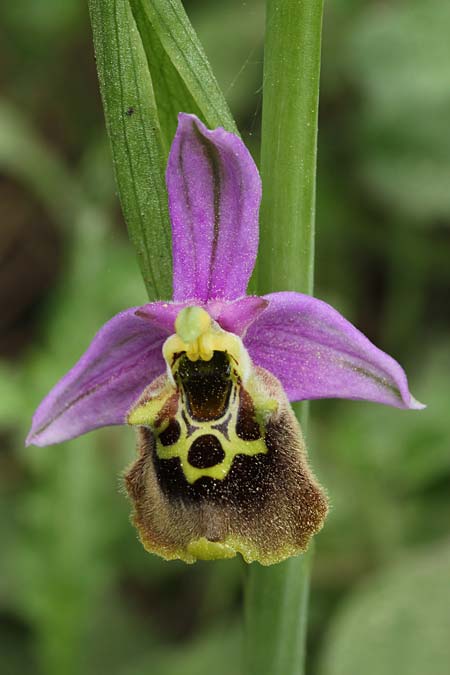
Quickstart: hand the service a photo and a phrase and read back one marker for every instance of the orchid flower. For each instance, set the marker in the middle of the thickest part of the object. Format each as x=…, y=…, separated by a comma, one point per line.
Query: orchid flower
x=206, y=379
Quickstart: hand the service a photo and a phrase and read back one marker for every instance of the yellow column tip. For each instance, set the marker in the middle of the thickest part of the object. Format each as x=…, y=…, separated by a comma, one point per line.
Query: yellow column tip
x=191, y=323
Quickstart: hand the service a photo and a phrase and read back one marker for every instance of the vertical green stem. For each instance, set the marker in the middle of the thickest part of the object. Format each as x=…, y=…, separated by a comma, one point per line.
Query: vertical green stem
x=289, y=144
x=277, y=597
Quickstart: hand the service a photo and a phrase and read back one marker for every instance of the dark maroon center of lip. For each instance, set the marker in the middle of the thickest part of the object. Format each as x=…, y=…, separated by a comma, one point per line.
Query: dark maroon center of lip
x=206, y=385
x=171, y=434
x=205, y=452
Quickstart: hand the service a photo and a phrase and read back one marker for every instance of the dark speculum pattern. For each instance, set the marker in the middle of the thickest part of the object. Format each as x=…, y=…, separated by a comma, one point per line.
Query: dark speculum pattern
x=269, y=497
x=206, y=385
x=247, y=479
x=190, y=428
x=171, y=434
x=223, y=427
x=205, y=452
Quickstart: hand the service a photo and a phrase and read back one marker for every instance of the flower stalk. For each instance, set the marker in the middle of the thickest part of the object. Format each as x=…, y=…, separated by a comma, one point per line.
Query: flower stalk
x=277, y=596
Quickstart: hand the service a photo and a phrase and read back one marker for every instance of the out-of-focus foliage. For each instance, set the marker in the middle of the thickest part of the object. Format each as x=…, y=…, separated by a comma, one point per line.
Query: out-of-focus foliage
x=386, y=619
x=399, y=61
x=78, y=594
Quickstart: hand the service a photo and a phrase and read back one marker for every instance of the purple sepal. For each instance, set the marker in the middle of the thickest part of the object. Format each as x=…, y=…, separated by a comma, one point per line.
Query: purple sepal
x=214, y=194
x=316, y=353
x=124, y=356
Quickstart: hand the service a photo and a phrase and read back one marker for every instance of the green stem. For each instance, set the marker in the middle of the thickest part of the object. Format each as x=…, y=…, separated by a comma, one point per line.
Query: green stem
x=289, y=144
x=277, y=597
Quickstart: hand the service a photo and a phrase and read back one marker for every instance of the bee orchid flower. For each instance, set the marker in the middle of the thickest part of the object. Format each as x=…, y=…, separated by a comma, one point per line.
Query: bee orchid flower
x=207, y=378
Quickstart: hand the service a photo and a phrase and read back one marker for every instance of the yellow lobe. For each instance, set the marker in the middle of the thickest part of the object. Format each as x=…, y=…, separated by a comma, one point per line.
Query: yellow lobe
x=193, y=328
x=203, y=549
x=191, y=323
x=206, y=346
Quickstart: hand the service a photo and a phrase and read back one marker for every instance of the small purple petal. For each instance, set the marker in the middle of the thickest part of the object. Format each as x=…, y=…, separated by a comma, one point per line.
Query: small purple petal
x=123, y=358
x=316, y=353
x=214, y=194
x=237, y=316
x=163, y=313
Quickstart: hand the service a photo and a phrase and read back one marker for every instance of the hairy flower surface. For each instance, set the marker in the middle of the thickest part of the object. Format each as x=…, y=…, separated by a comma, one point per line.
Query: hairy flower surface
x=207, y=378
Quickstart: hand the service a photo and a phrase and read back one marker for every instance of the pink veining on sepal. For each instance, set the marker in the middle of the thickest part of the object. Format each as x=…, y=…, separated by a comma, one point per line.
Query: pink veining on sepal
x=214, y=195
x=316, y=353
x=124, y=356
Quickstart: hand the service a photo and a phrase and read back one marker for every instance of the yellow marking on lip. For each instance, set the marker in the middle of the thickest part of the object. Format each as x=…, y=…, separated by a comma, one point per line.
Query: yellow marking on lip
x=235, y=446
x=146, y=413
x=231, y=446
x=203, y=549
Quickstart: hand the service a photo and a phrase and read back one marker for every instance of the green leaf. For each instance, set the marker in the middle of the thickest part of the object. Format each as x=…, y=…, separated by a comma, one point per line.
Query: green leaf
x=398, y=623
x=136, y=140
x=171, y=94
x=165, y=28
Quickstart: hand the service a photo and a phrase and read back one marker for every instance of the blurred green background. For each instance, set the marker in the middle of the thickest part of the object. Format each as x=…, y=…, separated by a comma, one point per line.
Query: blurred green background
x=78, y=594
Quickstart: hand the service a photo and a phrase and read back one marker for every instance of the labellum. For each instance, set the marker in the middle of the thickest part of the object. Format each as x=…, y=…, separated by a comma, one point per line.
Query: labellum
x=222, y=466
